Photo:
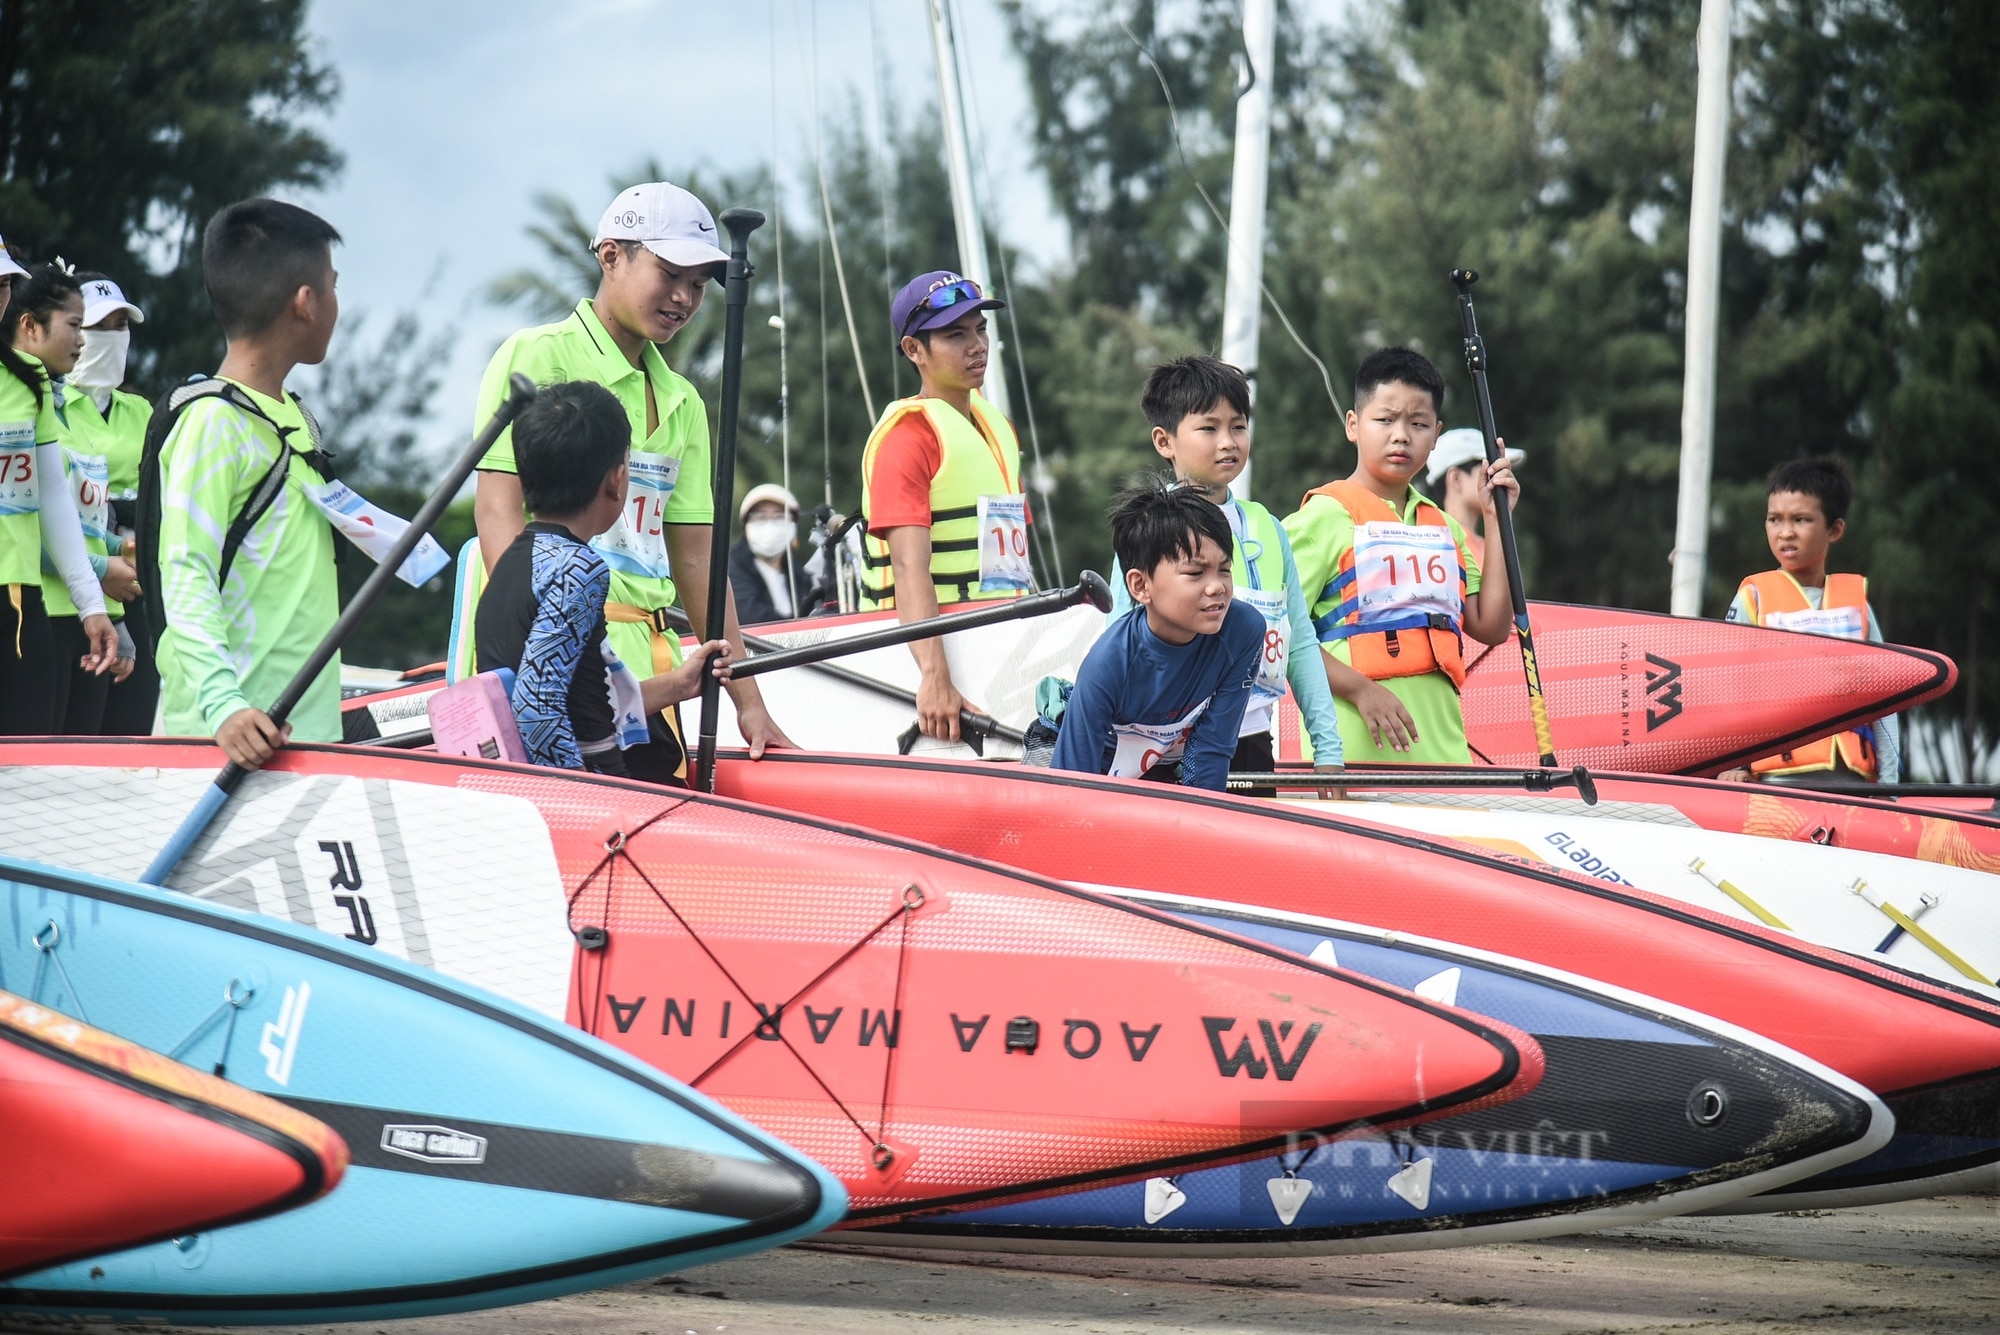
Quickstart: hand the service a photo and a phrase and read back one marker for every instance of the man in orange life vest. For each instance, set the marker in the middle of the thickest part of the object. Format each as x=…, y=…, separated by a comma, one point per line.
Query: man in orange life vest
x=941, y=483
x=1804, y=515
x=1393, y=585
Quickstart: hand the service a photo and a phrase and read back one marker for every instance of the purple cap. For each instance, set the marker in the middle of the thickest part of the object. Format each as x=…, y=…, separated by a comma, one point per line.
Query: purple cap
x=917, y=307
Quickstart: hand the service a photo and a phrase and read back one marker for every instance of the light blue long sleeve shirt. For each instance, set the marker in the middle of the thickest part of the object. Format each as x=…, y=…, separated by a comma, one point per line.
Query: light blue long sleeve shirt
x=1305, y=672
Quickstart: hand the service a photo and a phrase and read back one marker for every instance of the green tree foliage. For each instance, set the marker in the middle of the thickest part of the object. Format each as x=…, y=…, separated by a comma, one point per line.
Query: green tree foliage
x=124, y=124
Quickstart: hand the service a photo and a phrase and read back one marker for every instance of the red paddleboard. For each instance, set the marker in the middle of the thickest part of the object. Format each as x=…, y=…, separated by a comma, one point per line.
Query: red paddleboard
x=1895, y=1033
x=105, y=1145
x=933, y=1030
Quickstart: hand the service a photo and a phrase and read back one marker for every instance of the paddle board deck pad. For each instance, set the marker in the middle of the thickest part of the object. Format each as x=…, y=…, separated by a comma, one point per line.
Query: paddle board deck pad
x=934, y=1030
x=1931, y=1051
x=1943, y=922
x=498, y=1157
x=1644, y=1111
x=1650, y=693
x=105, y=1144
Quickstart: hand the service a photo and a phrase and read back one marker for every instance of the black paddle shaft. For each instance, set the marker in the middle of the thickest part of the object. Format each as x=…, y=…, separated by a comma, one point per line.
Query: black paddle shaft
x=736, y=294
x=520, y=393
x=1090, y=588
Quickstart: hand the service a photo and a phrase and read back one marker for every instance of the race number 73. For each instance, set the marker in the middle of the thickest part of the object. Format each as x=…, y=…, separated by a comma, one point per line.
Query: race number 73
x=17, y=466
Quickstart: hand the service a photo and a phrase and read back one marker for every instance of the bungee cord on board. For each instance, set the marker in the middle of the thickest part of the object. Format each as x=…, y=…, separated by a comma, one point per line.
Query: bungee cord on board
x=1174, y=119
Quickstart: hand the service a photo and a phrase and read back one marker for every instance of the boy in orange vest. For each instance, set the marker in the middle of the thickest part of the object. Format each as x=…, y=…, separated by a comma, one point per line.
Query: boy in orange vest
x=1394, y=588
x=1806, y=513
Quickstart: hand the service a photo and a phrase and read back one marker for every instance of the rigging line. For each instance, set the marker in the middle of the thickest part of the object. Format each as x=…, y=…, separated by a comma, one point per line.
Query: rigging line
x=826, y=209
x=1173, y=118
x=1054, y=556
x=784, y=334
x=882, y=188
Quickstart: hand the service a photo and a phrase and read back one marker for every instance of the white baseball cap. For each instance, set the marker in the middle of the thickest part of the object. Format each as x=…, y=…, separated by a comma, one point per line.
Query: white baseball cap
x=8, y=268
x=1457, y=448
x=769, y=491
x=101, y=296
x=666, y=220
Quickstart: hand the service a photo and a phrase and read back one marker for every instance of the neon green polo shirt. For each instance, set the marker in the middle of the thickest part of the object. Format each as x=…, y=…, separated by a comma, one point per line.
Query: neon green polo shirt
x=578, y=348
x=125, y=418
x=235, y=645
x=1322, y=532
x=23, y=426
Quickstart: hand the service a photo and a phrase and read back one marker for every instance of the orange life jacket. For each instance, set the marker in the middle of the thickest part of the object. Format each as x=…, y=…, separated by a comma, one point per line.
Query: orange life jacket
x=1400, y=644
x=1776, y=591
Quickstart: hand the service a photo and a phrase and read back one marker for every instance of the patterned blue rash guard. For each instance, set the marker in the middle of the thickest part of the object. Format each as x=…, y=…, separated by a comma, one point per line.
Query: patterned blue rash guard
x=542, y=615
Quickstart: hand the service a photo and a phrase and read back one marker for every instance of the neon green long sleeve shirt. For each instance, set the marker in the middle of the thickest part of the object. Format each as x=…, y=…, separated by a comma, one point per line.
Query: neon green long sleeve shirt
x=234, y=645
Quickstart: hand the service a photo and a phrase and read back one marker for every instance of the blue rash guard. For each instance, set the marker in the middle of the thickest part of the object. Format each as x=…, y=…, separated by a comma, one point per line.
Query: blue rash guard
x=1140, y=702
x=543, y=616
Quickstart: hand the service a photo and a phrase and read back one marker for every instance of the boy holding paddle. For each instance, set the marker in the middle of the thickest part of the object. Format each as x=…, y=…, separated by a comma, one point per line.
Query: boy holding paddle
x=1396, y=588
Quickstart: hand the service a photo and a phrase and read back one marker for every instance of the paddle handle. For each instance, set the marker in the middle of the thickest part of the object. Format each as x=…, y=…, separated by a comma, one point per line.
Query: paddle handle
x=1503, y=511
x=1090, y=588
x=520, y=392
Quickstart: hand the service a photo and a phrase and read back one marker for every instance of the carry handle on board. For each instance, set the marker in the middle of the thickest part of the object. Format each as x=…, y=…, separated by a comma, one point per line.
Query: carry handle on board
x=521, y=392
x=1089, y=588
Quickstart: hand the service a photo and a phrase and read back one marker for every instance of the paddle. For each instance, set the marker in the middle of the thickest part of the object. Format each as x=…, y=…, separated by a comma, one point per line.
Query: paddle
x=969, y=721
x=1475, y=365
x=736, y=293
x=521, y=393
x=1533, y=780
x=1090, y=588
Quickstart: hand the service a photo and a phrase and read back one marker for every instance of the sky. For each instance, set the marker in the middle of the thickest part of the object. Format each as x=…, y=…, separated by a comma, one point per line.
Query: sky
x=454, y=113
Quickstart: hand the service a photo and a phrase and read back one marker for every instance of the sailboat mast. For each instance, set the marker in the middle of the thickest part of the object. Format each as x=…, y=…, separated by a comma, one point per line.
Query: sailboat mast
x=1704, y=280
x=1242, y=300
x=964, y=204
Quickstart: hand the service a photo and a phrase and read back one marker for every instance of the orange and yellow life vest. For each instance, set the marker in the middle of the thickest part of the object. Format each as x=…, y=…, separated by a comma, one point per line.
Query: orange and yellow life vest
x=1775, y=598
x=1393, y=642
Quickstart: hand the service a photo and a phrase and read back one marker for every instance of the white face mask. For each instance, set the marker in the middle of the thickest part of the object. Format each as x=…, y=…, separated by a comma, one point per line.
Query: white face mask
x=770, y=537
x=101, y=364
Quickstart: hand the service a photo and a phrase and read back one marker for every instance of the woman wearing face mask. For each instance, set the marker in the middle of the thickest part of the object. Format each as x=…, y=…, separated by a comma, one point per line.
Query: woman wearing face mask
x=96, y=404
x=763, y=569
x=44, y=334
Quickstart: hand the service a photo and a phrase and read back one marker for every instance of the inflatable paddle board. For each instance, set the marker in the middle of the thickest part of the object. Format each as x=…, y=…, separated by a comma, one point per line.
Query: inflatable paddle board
x=498, y=1157
x=1651, y=693
x=1943, y=922
x=1968, y=836
x=105, y=1144
x=934, y=1030
x=1645, y=1110
x=1931, y=1051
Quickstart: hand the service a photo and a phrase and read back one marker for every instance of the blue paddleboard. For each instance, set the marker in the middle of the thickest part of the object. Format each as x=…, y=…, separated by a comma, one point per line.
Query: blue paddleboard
x=498, y=1157
x=1645, y=1110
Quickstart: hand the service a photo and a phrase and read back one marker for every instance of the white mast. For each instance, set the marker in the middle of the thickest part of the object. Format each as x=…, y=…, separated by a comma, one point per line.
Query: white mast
x=1704, y=278
x=1242, y=291
x=964, y=205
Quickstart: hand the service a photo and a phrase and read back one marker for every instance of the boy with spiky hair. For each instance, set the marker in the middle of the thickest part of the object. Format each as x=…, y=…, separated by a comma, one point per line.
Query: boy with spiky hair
x=1805, y=513
x=1161, y=694
x=1397, y=589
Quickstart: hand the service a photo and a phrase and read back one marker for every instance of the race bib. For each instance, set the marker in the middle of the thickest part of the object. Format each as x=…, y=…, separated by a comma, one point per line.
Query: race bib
x=375, y=531
x=1140, y=746
x=628, y=704
x=1277, y=651
x=1847, y=623
x=20, y=494
x=1003, y=543
x=1406, y=569
x=637, y=543
x=90, y=476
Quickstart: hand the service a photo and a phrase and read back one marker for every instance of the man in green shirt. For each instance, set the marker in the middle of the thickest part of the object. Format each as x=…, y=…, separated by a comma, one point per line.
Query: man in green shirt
x=234, y=639
x=656, y=251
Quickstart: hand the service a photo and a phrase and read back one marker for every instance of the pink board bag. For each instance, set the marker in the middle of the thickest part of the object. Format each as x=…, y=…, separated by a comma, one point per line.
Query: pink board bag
x=474, y=718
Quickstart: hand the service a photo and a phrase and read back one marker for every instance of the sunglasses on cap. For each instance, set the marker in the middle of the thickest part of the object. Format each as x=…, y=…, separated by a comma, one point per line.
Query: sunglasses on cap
x=942, y=297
